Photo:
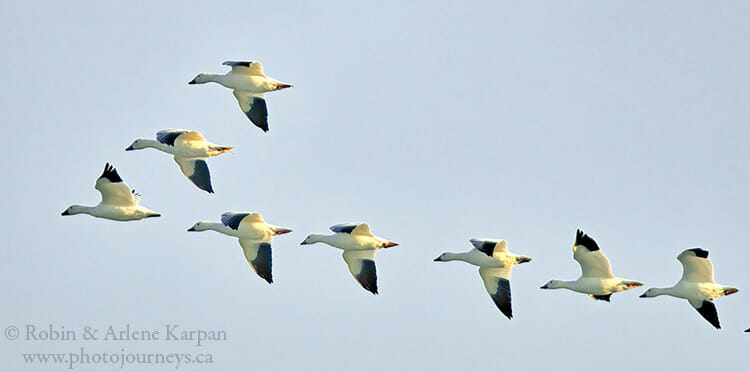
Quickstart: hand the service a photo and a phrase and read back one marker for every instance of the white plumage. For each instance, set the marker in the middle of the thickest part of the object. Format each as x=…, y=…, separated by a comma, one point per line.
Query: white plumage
x=596, y=278
x=249, y=85
x=254, y=235
x=359, y=246
x=495, y=265
x=119, y=202
x=190, y=152
x=697, y=285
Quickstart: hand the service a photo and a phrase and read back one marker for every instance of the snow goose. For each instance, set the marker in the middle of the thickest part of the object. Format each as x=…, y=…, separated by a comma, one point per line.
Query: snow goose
x=190, y=152
x=495, y=264
x=119, y=202
x=249, y=86
x=697, y=285
x=359, y=246
x=254, y=235
x=596, y=278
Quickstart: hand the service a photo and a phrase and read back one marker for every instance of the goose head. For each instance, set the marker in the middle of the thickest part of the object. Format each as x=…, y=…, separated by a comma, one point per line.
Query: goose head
x=199, y=226
x=137, y=145
x=74, y=209
x=312, y=239
x=552, y=284
x=309, y=240
x=200, y=79
x=447, y=256
x=441, y=258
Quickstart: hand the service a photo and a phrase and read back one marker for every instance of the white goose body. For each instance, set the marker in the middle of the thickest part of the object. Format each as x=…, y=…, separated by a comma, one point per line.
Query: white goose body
x=190, y=152
x=239, y=81
x=596, y=278
x=347, y=242
x=249, y=85
x=495, y=265
x=119, y=202
x=254, y=235
x=359, y=246
x=697, y=285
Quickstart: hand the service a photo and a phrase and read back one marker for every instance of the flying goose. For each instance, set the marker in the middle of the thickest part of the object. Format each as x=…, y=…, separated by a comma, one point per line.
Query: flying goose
x=596, y=278
x=697, y=285
x=190, y=152
x=254, y=235
x=249, y=85
x=359, y=246
x=495, y=264
x=119, y=202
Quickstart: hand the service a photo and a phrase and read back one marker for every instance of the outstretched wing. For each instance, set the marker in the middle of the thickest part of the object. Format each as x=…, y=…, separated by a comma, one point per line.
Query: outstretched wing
x=245, y=67
x=707, y=309
x=696, y=267
x=258, y=254
x=113, y=190
x=352, y=228
x=490, y=247
x=196, y=170
x=594, y=264
x=233, y=220
x=254, y=107
x=362, y=266
x=169, y=136
x=497, y=282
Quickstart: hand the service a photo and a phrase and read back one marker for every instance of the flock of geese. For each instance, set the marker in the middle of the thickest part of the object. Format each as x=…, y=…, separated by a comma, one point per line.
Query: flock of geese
x=249, y=85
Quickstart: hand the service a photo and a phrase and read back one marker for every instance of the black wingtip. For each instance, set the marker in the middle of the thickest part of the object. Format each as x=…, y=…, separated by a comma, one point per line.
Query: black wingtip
x=605, y=297
x=502, y=298
x=110, y=173
x=708, y=312
x=488, y=248
x=237, y=63
x=201, y=177
x=262, y=264
x=702, y=253
x=584, y=240
x=368, y=277
x=258, y=113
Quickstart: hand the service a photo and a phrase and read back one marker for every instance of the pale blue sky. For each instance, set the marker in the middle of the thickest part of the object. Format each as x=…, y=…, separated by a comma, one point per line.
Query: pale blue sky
x=434, y=123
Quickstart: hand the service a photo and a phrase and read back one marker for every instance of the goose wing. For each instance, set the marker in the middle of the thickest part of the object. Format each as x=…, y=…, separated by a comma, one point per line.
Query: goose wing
x=258, y=255
x=113, y=190
x=196, y=170
x=254, y=107
x=352, y=228
x=707, y=309
x=234, y=219
x=245, y=67
x=362, y=266
x=490, y=247
x=696, y=267
x=594, y=264
x=497, y=282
